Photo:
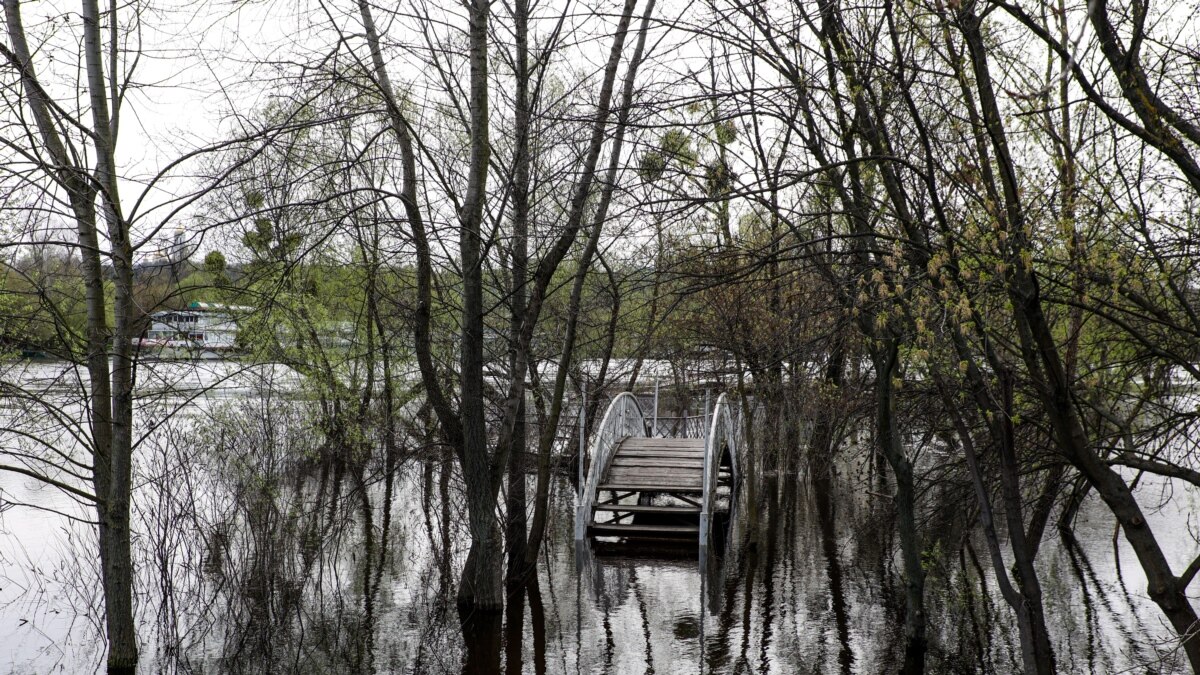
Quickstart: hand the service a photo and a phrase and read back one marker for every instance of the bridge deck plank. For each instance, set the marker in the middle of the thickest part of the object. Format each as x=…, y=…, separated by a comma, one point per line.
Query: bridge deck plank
x=652, y=465
x=643, y=530
x=647, y=486
x=637, y=474
x=643, y=442
x=671, y=509
x=689, y=462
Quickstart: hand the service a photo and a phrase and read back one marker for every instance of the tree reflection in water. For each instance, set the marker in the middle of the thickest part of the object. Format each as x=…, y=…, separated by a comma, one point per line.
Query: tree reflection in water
x=265, y=552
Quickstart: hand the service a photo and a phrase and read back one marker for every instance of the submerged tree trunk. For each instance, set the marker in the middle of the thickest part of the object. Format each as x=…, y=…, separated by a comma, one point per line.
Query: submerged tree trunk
x=549, y=431
x=464, y=429
x=116, y=553
x=110, y=392
x=481, y=585
x=887, y=433
x=515, y=508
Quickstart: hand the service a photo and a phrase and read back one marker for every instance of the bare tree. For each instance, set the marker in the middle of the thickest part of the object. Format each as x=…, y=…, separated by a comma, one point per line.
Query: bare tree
x=84, y=179
x=464, y=425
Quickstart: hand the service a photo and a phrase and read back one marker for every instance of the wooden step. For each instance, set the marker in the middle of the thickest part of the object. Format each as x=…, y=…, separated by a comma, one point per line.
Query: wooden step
x=645, y=476
x=693, y=464
x=673, y=531
x=639, y=441
x=672, y=510
x=656, y=469
x=651, y=452
x=693, y=488
x=647, y=457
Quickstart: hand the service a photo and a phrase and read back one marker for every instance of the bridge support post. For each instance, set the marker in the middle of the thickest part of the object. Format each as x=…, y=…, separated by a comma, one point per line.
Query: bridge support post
x=580, y=506
x=654, y=424
x=707, y=411
x=582, y=440
x=708, y=484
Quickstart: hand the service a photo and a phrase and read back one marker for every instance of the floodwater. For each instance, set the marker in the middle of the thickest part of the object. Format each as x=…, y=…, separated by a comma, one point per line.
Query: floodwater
x=262, y=551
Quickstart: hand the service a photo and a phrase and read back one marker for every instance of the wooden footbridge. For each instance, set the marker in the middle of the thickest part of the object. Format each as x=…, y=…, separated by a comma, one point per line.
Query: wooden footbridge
x=641, y=485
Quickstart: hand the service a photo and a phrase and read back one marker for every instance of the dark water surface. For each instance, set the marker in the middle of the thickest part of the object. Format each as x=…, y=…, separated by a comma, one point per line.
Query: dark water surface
x=254, y=557
x=817, y=593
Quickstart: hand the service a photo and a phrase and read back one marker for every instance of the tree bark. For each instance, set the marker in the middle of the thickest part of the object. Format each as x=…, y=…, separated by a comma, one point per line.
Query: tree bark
x=116, y=555
x=481, y=585
x=515, y=508
x=887, y=362
x=110, y=393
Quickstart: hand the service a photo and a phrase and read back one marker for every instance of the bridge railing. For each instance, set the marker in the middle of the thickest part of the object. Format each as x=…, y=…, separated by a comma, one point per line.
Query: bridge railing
x=622, y=419
x=724, y=434
x=691, y=426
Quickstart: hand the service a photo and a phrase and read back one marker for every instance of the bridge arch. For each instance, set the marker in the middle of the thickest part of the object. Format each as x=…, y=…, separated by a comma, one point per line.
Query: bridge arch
x=721, y=447
x=622, y=419
x=627, y=462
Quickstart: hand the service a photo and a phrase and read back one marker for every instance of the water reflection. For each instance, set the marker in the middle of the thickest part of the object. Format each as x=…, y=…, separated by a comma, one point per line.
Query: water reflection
x=826, y=517
x=481, y=632
x=265, y=551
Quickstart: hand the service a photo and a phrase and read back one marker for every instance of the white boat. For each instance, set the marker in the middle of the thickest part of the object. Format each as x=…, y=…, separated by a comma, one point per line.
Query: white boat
x=202, y=331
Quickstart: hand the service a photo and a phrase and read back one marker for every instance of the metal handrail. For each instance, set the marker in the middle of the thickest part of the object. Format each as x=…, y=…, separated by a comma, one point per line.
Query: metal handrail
x=623, y=419
x=682, y=426
x=722, y=436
